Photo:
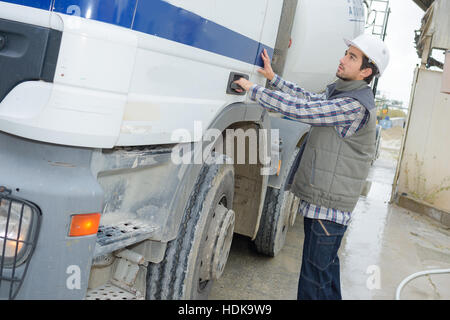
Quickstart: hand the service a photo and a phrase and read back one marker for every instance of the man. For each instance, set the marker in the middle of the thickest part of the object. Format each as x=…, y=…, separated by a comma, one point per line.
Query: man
x=336, y=157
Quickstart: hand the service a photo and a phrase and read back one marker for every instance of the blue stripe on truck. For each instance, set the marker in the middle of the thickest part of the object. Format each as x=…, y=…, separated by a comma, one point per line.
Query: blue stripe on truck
x=164, y=20
x=117, y=12
x=161, y=19
x=39, y=4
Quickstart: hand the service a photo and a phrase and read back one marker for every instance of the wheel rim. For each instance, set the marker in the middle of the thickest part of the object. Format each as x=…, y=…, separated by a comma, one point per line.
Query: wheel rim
x=217, y=245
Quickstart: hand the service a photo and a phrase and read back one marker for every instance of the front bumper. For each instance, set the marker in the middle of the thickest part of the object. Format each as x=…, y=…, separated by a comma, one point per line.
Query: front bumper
x=58, y=179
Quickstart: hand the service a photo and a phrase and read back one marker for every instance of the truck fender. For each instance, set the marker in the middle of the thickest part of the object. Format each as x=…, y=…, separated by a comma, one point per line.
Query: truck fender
x=234, y=113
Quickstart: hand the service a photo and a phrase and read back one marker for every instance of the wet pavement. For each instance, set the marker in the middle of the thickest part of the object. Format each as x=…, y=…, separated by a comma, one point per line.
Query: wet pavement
x=383, y=245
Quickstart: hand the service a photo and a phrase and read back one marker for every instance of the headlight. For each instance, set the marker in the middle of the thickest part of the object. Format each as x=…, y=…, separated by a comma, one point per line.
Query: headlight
x=17, y=229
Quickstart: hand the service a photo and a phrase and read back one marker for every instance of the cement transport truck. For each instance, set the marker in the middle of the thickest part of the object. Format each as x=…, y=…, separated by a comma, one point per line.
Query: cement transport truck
x=103, y=108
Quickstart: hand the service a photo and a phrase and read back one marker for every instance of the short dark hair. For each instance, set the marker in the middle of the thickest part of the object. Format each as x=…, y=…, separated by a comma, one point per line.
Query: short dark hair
x=368, y=64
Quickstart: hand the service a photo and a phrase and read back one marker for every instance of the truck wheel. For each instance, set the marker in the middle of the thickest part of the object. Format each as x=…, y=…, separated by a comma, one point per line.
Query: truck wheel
x=198, y=255
x=279, y=211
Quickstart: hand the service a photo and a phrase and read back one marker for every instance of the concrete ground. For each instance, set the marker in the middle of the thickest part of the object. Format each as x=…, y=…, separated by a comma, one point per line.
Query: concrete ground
x=383, y=245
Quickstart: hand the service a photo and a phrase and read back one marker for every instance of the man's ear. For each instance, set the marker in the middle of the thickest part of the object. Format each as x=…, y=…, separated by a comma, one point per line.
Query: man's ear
x=366, y=72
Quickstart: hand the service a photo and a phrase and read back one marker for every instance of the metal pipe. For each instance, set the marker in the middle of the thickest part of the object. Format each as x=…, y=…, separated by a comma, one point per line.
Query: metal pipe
x=416, y=275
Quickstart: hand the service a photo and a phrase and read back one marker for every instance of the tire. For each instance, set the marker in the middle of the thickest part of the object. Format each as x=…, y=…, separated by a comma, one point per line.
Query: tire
x=198, y=255
x=279, y=211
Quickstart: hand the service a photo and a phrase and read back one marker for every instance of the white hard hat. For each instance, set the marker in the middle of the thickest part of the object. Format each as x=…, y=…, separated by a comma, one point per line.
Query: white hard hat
x=374, y=48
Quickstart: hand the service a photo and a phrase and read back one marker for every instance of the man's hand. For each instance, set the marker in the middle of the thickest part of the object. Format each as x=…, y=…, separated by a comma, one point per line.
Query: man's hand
x=267, y=70
x=244, y=84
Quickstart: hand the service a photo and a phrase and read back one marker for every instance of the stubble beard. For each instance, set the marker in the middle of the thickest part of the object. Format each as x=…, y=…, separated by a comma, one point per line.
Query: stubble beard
x=341, y=77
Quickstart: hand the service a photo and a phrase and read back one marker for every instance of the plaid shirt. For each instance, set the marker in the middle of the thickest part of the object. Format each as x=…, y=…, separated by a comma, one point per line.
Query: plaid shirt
x=347, y=115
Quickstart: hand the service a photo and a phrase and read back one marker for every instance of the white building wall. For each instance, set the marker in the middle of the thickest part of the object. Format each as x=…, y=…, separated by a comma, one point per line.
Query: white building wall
x=424, y=167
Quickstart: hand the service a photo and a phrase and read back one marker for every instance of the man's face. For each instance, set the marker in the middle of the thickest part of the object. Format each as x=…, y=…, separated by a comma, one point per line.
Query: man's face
x=350, y=66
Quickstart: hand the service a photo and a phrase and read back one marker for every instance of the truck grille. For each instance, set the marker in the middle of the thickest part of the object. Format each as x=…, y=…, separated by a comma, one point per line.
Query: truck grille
x=19, y=228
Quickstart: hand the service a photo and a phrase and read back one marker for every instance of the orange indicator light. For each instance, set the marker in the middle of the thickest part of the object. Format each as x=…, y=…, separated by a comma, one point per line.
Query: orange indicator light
x=84, y=224
x=279, y=167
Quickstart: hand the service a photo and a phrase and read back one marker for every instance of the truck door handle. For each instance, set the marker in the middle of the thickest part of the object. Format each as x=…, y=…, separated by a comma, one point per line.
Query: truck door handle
x=231, y=86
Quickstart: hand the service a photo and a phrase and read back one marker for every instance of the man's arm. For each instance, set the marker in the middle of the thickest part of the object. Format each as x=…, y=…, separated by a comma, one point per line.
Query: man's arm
x=295, y=90
x=341, y=112
x=346, y=114
x=283, y=85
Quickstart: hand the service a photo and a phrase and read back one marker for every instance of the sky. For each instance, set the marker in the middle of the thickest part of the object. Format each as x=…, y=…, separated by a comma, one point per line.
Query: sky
x=396, y=82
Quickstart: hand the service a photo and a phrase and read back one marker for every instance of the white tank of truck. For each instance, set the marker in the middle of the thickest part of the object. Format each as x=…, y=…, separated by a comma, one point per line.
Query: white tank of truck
x=317, y=40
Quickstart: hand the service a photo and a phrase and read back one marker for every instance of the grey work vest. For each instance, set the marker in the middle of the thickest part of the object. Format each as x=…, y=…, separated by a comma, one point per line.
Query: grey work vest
x=333, y=169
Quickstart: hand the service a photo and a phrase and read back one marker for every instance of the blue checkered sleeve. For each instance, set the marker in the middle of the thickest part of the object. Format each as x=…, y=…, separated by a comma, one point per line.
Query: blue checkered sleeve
x=346, y=114
x=294, y=90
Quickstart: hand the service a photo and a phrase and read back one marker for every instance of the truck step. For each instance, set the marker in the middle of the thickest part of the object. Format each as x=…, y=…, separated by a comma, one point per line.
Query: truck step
x=111, y=292
x=118, y=236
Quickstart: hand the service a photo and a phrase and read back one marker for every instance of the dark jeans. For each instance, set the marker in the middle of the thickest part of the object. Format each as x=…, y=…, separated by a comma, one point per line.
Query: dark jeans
x=320, y=275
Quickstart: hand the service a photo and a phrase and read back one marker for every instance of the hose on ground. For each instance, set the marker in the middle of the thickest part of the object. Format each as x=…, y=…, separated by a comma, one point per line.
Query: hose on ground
x=416, y=275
